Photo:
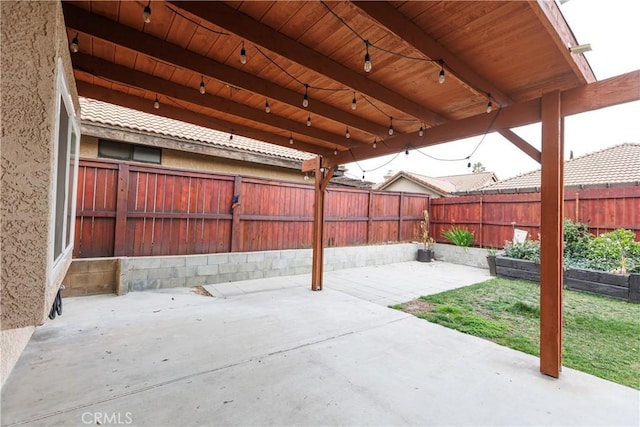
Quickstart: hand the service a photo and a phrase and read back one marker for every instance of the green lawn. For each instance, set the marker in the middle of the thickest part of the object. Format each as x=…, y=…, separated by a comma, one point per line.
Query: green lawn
x=601, y=335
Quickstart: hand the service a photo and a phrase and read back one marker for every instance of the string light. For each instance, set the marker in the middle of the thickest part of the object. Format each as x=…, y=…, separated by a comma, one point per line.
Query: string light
x=353, y=101
x=489, y=105
x=306, y=176
x=230, y=137
x=243, y=54
x=202, y=89
x=267, y=108
x=156, y=103
x=305, y=98
x=291, y=139
x=390, y=125
x=421, y=131
x=309, y=120
x=406, y=152
x=375, y=143
x=74, y=44
x=441, y=75
x=146, y=14
x=335, y=152
x=347, y=134
x=367, y=58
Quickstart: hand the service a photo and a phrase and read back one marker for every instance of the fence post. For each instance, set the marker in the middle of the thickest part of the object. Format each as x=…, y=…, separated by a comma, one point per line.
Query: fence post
x=370, y=219
x=122, y=207
x=236, y=229
x=400, y=217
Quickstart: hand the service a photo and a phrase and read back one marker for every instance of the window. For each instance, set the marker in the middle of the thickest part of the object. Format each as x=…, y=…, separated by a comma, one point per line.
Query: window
x=123, y=151
x=66, y=170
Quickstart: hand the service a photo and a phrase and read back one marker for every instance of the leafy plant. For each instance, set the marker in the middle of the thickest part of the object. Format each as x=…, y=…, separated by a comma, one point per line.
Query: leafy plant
x=529, y=250
x=614, y=251
x=459, y=236
x=576, y=241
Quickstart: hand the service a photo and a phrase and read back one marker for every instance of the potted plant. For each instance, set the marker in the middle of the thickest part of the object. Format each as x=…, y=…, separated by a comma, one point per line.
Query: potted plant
x=426, y=253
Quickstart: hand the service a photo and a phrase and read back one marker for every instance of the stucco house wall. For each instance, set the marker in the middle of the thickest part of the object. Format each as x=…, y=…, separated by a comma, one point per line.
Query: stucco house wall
x=33, y=41
x=410, y=187
x=201, y=162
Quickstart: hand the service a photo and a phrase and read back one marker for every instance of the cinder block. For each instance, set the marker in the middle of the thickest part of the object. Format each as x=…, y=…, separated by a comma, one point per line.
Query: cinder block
x=282, y=263
x=239, y=258
x=288, y=254
x=271, y=255
x=207, y=270
x=137, y=275
x=253, y=275
x=247, y=267
x=195, y=281
x=217, y=259
x=271, y=273
x=194, y=260
x=161, y=273
x=176, y=282
x=255, y=257
x=228, y=268
x=186, y=271
x=241, y=275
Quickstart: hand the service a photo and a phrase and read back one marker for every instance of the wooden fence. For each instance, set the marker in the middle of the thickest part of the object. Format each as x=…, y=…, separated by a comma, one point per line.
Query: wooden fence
x=493, y=217
x=135, y=210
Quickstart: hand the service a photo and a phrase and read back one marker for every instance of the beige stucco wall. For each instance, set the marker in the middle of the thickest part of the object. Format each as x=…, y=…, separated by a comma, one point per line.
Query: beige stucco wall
x=409, y=187
x=12, y=343
x=204, y=163
x=33, y=38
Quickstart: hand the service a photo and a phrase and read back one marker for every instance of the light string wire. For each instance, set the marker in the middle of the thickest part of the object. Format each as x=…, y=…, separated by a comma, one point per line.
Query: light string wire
x=199, y=24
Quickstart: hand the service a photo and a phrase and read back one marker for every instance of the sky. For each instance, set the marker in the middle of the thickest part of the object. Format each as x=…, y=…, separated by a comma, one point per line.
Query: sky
x=612, y=30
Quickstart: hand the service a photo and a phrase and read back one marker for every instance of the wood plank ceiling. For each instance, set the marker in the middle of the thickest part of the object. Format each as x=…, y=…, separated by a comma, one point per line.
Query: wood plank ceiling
x=502, y=52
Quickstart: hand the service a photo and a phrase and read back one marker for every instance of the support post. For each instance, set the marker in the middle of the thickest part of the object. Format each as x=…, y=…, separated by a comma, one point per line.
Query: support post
x=236, y=231
x=323, y=175
x=122, y=202
x=551, y=235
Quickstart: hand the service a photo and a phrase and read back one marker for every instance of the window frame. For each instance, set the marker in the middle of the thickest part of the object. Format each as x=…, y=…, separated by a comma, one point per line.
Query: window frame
x=64, y=105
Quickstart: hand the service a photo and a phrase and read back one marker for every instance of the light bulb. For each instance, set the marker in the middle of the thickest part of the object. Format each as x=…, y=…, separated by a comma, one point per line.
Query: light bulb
x=146, y=14
x=489, y=106
x=305, y=98
x=406, y=152
x=335, y=152
x=156, y=103
x=347, y=134
x=353, y=101
x=367, y=62
x=391, y=126
x=267, y=108
x=441, y=76
x=243, y=55
x=421, y=131
x=202, y=89
x=291, y=139
x=74, y=44
x=363, y=177
x=375, y=143
x=309, y=121
x=469, y=164
x=306, y=177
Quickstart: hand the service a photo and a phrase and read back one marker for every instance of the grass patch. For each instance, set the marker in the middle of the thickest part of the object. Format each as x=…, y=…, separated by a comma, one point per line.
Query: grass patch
x=601, y=335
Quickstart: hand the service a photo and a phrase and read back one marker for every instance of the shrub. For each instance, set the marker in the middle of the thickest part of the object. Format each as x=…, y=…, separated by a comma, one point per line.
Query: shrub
x=576, y=242
x=529, y=250
x=614, y=251
x=459, y=236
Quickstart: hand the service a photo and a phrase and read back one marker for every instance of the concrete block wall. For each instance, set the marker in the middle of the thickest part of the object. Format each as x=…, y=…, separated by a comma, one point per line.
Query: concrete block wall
x=91, y=276
x=473, y=257
x=141, y=273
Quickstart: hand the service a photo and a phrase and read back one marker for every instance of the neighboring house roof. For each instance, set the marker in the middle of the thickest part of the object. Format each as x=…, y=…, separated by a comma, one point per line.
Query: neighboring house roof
x=442, y=185
x=615, y=165
x=345, y=181
x=113, y=115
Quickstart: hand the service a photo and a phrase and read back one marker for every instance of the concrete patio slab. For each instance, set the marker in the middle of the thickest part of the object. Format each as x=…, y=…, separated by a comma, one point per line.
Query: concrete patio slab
x=286, y=357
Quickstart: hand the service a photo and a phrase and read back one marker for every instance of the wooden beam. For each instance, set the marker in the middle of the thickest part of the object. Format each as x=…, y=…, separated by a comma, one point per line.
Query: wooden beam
x=323, y=175
x=523, y=145
x=146, y=105
x=552, y=205
x=122, y=197
x=97, y=26
x=551, y=18
x=224, y=16
x=117, y=73
x=601, y=94
x=389, y=17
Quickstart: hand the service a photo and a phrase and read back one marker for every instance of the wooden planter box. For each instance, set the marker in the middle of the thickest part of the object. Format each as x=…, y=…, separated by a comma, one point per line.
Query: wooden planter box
x=621, y=286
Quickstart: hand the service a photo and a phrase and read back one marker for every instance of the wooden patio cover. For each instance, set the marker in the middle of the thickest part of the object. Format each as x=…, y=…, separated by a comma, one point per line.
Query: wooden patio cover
x=436, y=67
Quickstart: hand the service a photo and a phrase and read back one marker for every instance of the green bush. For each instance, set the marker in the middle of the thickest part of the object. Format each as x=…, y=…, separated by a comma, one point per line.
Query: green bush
x=614, y=251
x=529, y=250
x=459, y=236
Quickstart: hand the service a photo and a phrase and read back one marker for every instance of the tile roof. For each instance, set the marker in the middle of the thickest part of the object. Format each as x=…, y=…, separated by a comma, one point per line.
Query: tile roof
x=443, y=184
x=113, y=115
x=614, y=165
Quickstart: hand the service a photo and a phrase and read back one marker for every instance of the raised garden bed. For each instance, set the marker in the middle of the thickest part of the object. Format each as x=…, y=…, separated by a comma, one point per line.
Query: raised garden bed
x=621, y=286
